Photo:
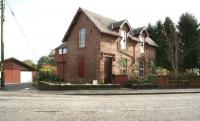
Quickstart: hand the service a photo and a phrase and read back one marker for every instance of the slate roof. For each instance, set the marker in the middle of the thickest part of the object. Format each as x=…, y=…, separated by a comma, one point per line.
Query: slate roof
x=19, y=63
x=150, y=42
x=106, y=25
x=117, y=24
x=138, y=30
x=101, y=22
x=63, y=45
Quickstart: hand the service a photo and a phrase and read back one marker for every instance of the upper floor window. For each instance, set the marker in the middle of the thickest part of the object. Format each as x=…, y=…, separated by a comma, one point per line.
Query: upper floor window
x=62, y=50
x=123, y=40
x=82, y=35
x=141, y=44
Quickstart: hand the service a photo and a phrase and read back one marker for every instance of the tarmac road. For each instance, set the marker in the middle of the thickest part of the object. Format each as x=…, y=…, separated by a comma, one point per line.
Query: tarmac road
x=33, y=106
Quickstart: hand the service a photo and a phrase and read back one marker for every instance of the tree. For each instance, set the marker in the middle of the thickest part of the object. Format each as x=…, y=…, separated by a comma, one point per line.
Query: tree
x=45, y=60
x=30, y=63
x=174, y=45
x=155, y=32
x=189, y=28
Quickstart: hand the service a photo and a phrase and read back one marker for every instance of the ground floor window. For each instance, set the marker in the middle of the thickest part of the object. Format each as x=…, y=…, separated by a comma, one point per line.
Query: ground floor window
x=141, y=69
x=123, y=66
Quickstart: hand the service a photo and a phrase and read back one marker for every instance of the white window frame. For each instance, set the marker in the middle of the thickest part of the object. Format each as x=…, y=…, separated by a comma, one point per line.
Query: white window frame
x=60, y=51
x=123, y=42
x=82, y=37
x=141, y=44
x=124, y=67
x=64, y=50
x=141, y=69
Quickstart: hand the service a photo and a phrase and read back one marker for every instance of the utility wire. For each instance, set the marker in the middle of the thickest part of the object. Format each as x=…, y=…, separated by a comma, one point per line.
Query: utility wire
x=22, y=31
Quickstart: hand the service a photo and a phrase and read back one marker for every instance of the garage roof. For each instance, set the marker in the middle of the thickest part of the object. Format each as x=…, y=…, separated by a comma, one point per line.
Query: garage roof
x=18, y=62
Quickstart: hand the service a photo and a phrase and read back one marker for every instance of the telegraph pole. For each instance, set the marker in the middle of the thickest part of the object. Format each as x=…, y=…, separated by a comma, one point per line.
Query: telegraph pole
x=2, y=45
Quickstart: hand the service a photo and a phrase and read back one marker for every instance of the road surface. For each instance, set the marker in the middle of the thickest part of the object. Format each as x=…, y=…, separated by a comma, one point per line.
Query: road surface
x=34, y=106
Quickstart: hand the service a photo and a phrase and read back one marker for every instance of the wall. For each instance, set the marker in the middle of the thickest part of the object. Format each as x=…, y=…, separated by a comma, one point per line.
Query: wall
x=61, y=61
x=91, y=52
x=12, y=76
x=164, y=82
x=12, y=71
x=148, y=55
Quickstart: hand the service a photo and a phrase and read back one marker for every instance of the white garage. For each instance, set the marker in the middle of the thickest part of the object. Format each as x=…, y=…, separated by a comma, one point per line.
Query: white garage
x=16, y=71
x=26, y=76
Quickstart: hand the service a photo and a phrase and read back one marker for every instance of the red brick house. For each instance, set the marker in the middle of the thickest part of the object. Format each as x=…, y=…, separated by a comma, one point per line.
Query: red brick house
x=16, y=71
x=96, y=46
x=61, y=60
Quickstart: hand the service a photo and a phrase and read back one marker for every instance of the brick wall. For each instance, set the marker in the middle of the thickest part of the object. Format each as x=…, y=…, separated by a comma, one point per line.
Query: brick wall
x=12, y=76
x=148, y=55
x=60, y=57
x=61, y=61
x=91, y=52
x=10, y=65
x=164, y=82
x=98, y=47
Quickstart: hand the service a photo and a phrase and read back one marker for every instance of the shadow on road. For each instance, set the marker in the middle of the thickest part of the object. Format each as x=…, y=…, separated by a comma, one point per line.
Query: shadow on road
x=22, y=86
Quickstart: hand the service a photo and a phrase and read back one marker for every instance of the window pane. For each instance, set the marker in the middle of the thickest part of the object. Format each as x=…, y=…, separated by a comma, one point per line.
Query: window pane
x=64, y=50
x=82, y=37
x=60, y=51
x=141, y=64
x=123, y=40
x=141, y=73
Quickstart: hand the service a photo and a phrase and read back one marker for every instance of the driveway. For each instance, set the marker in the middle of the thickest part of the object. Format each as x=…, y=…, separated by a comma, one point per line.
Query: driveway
x=21, y=86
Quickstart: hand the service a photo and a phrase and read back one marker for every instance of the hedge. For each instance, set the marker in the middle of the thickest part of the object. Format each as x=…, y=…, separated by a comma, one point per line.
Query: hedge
x=43, y=85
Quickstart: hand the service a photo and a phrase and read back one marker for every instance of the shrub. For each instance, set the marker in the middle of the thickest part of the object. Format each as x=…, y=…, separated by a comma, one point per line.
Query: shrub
x=193, y=71
x=43, y=85
x=133, y=72
x=151, y=77
x=161, y=71
x=181, y=76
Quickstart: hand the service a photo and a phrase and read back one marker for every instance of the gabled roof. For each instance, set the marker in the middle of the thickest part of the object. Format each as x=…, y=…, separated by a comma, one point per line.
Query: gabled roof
x=20, y=63
x=63, y=45
x=106, y=25
x=117, y=24
x=150, y=42
x=101, y=22
x=138, y=30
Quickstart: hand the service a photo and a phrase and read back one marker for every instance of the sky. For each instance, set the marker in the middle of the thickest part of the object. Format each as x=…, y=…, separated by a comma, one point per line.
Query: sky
x=45, y=22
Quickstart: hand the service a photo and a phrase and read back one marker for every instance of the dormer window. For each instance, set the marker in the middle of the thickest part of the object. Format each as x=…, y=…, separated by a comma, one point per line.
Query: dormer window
x=123, y=40
x=62, y=50
x=141, y=44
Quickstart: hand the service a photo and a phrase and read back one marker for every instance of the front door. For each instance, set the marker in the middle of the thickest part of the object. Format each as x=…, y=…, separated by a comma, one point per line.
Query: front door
x=108, y=70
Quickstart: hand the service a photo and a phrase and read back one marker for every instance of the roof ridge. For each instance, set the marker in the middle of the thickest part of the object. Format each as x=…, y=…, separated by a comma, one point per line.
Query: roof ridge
x=85, y=10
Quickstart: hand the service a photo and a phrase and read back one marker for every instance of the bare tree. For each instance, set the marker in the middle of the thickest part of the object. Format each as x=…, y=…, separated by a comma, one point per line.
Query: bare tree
x=174, y=45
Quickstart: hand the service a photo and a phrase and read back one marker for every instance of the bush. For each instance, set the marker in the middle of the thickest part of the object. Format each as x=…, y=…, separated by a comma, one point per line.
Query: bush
x=182, y=76
x=133, y=72
x=151, y=77
x=48, y=76
x=193, y=71
x=43, y=85
x=161, y=71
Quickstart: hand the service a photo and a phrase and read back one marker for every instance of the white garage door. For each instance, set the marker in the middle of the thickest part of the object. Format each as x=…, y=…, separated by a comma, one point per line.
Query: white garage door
x=26, y=76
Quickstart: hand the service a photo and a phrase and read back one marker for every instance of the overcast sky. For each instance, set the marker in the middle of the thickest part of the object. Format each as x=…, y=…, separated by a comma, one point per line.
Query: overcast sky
x=46, y=21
